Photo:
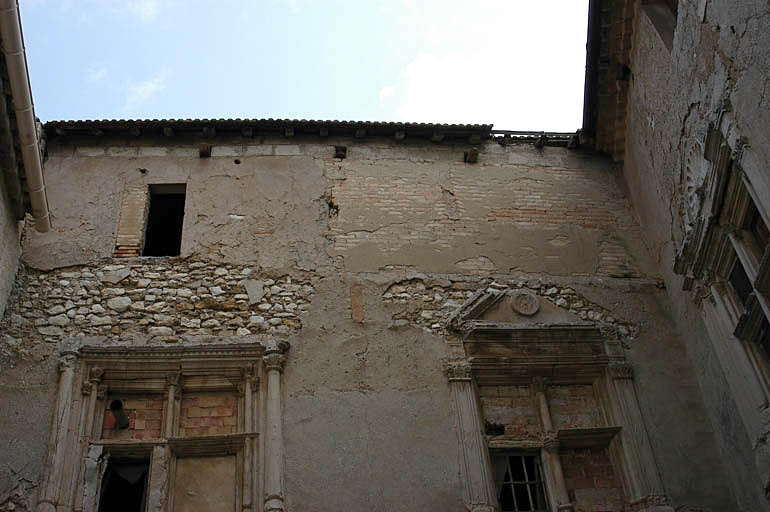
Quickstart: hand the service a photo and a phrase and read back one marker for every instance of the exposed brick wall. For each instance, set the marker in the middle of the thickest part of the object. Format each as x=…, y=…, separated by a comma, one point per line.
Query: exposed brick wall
x=413, y=209
x=573, y=407
x=205, y=414
x=145, y=419
x=591, y=480
x=509, y=408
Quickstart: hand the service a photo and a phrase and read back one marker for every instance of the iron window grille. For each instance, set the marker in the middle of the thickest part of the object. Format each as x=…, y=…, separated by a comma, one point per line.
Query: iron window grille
x=520, y=483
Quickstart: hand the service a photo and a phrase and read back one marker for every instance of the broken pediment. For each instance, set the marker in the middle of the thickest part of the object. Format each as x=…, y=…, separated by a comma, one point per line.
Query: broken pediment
x=511, y=335
x=505, y=310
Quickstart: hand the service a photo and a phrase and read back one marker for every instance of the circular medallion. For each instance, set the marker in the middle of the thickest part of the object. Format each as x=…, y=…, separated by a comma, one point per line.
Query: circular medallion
x=525, y=303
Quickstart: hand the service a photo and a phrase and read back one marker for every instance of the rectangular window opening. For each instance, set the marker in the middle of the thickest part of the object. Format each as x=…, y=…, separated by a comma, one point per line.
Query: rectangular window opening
x=520, y=483
x=757, y=233
x=740, y=283
x=163, y=235
x=124, y=486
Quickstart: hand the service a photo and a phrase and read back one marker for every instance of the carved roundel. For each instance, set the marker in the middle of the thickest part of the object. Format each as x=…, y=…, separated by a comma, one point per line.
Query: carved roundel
x=525, y=303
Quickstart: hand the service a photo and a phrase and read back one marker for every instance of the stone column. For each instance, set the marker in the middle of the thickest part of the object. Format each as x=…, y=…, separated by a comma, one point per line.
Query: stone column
x=646, y=486
x=90, y=389
x=554, y=475
x=480, y=492
x=49, y=491
x=172, y=380
x=158, y=479
x=274, y=360
x=249, y=378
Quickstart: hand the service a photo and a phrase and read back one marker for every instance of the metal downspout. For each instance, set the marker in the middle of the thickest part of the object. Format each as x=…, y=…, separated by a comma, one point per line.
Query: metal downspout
x=16, y=61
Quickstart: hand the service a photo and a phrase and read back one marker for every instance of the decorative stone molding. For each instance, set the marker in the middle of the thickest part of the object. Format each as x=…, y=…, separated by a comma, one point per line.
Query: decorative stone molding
x=620, y=371
x=458, y=370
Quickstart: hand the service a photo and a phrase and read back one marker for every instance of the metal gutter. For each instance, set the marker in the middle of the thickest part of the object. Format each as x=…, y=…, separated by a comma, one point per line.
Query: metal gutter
x=26, y=124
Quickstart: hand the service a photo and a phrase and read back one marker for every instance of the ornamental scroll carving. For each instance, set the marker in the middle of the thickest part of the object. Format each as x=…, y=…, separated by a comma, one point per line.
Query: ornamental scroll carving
x=458, y=370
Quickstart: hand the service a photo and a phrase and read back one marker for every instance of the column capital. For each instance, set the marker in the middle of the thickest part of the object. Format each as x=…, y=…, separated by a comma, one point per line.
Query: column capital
x=649, y=501
x=274, y=361
x=67, y=360
x=173, y=378
x=95, y=374
x=458, y=370
x=621, y=370
x=540, y=383
x=551, y=442
x=101, y=391
x=249, y=373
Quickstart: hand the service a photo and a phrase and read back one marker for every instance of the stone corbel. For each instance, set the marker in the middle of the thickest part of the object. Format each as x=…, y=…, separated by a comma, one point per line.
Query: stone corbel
x=642, y=483
x=274, y=361
x=51, y=484
x=478, y=480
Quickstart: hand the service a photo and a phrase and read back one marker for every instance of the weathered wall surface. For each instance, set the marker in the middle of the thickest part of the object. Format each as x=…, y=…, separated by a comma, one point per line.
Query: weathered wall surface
x=720, y=57
x=358, y=263
x=10, y=250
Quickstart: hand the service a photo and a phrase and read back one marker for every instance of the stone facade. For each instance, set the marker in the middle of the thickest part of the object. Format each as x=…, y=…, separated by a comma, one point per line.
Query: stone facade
x=362, y=317
x=695, y=155
x=366, y=266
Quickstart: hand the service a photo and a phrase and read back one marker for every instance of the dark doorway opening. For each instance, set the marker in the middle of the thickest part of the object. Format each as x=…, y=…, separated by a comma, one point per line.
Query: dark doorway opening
x=163, y=236
x=124, y=487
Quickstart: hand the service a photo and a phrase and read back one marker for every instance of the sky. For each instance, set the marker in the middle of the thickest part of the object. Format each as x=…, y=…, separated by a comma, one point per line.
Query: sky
x=517, y=64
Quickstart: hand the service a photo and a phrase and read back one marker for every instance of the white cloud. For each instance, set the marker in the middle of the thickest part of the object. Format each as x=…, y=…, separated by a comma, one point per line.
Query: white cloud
x=96, y=74
x=146, y=10
x=139, y=93
x=491, y=62
x=386, y=92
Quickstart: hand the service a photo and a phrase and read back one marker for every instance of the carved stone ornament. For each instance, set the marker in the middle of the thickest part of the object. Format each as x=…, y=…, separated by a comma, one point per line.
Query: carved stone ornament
x=539, y=384
x=67, y=361
x=172, y=379
x=95, y=374
x=621, y=371
x=85, y=389
x=692, y=184
x=250, y=374
x=274, y=361
x=101, y=391
x=525, y=303
x=458, y=370
x=652, y=500
x=551, y=442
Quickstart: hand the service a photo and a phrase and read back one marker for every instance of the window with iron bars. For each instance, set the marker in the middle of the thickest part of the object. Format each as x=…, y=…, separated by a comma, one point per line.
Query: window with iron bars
x=520, y=483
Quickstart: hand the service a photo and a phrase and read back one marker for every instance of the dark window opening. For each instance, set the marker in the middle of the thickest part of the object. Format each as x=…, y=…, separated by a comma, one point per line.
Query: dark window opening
x=764, y=338
x=124, y=487
x=757, y=229
x=163, y=236
x=520, y=483
x=740, y=282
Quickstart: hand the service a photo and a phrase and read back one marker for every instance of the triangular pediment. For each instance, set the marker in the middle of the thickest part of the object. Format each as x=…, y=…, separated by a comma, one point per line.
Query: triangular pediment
x=511, y=309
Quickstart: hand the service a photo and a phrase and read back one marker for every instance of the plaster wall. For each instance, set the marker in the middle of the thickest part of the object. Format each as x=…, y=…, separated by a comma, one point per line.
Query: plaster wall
x=720, y=55
x=380, y=248
x=10, y=249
